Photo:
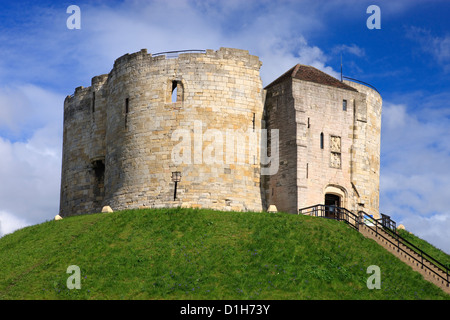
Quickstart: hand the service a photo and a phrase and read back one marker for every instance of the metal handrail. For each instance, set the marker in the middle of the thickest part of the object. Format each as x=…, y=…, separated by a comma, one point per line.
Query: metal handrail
x=332, y=212
x=362, y=82
x=345, y=215
x=413, y=248
x=177, y=52
x=420, y=251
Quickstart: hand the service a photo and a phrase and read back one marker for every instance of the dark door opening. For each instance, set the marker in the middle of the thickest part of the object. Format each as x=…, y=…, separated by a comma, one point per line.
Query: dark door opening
x=99, y=183
x=332, y=204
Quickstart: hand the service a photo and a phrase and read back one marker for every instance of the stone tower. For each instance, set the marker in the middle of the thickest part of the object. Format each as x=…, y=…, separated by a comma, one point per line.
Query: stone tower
x=329, y=133
x=198, y=114
x=205, y=115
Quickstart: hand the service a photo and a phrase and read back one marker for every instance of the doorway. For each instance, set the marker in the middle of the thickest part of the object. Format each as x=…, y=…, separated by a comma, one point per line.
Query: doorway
x=98, y=167
x=332, y=205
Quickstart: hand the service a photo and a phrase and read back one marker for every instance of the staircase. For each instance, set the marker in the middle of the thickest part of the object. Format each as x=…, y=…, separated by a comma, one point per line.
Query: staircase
x=384, y=232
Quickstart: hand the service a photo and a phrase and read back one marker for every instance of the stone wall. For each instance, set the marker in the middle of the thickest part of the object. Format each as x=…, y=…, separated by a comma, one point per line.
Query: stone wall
x=280, y=114
x=325, y=149
x=366, y=148
x=323, y=166
x=77, y=174
x=136, y=129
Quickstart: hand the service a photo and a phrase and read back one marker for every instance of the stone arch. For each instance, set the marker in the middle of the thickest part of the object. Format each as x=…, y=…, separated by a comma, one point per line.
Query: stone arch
x=339, y=191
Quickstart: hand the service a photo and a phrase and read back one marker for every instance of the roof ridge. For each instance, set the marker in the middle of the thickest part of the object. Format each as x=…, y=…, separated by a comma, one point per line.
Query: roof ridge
x=311, y=74
x=294, y=73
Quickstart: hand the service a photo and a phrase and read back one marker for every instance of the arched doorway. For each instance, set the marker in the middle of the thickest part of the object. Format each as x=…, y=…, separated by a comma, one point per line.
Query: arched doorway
x=332, y=205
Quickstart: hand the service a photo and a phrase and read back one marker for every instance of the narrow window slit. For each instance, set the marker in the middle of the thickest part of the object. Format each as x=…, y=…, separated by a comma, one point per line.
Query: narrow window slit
x=126, y=111
x=253, y=122
x=307, y=169
x=93, y=102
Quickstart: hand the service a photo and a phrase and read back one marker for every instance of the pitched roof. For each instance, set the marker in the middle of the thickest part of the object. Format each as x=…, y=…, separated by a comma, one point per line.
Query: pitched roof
x=311, y=74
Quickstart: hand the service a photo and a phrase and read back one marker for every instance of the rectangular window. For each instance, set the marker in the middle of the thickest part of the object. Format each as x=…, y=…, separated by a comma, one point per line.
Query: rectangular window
x=344, y=105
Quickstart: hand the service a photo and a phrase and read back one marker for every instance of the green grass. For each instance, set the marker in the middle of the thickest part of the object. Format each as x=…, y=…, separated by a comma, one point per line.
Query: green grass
x=434, y=252
x=201, y=254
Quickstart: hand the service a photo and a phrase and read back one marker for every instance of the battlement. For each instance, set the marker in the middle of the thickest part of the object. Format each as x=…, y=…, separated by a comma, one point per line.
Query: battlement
x=78, y=90
x=126, y=58
x=99, y=81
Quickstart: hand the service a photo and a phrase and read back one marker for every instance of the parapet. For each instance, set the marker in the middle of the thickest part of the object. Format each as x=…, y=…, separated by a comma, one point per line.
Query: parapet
x=235, y=54
x=128, y=57
x=223, y=53
x=99, y=80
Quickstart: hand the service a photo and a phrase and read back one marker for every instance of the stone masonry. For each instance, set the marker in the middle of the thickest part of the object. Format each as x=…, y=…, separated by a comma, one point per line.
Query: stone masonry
x=329, y=141
x=201, y=114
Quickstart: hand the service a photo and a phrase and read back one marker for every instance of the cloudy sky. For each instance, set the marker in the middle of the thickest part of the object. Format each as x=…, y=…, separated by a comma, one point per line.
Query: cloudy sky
x=407, y=60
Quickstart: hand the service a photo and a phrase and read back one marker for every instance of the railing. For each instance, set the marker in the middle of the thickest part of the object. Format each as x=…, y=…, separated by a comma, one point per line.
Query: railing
x=174, y=54
x=423, y=255
x=362, y=82
x=381, y=227
x=332, y=212
x=388, y=223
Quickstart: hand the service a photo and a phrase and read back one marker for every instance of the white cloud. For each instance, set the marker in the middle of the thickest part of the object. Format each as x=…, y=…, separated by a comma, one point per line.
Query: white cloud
x=178, y=25
x=435, y=229
x=30, y=174
x=24, y=108
x=30, y=167
x=10, y=223
x=441, y=49
x=415, y=176
x=352, y=49
x=436, y=46
x=273, y=31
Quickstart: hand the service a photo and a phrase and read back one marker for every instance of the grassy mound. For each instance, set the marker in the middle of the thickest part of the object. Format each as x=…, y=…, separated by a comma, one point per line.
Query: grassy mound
x=201, y=254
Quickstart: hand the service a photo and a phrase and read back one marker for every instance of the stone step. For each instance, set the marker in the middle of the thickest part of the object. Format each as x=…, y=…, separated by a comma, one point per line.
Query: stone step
x=405, y=254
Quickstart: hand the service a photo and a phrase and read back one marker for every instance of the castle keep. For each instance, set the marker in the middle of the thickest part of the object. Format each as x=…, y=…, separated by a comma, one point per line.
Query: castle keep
x=206, y=116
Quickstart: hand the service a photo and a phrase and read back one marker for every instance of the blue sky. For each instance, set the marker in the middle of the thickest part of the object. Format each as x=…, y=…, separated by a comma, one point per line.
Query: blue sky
x=407, y=60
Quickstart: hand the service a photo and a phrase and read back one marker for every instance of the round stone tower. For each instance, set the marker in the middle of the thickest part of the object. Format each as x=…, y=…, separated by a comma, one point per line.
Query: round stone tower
x=198, y=114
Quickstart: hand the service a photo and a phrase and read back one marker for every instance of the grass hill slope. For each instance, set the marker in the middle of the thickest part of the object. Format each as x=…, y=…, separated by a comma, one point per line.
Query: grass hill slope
x=201, y=254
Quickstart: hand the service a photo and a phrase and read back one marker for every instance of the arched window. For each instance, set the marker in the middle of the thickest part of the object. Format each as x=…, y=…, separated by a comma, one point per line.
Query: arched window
x=176, y=93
